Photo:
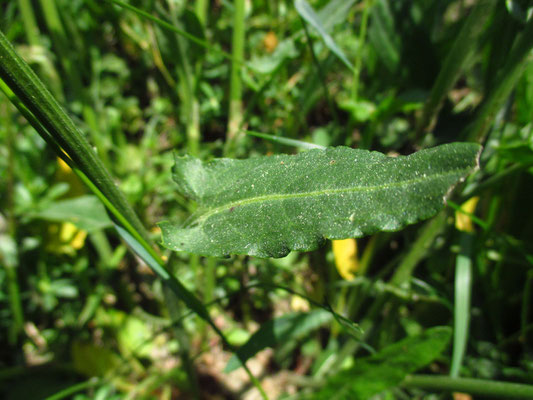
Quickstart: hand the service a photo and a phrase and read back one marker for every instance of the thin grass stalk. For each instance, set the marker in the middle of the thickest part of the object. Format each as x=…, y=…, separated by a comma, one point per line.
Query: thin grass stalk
x=506, y=80
x=461, y=312
x=320, y=72
x=30, y=23
x=235, y=96
x=181, y=32
x=476, y=387
x=457, y=59
x=358, y=62
x=419, y=249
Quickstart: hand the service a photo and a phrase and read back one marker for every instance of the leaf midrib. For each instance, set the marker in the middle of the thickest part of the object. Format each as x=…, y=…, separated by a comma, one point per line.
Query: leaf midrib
x=326, y=192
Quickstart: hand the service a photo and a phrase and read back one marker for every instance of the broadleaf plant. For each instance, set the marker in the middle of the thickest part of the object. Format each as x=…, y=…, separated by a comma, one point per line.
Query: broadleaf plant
x=268, y=206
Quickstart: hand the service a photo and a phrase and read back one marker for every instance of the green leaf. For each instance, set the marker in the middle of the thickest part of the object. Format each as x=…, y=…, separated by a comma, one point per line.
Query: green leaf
x=86, y=212
x=268, y=206
x=288, y=327
x=387, y=368
x=309, y=15
x=335, y=12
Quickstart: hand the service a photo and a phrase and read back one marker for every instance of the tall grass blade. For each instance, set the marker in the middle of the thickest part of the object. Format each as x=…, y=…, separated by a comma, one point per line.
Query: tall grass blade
x=168, y=26
x=476, y=387
x=283, y=140
x=310, y=16
x=506, y=80
x=463, y=289
x=457, y=59
x=235, y=92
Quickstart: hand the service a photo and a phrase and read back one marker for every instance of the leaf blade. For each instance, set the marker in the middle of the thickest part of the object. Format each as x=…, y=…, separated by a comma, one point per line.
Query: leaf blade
x=268, y=206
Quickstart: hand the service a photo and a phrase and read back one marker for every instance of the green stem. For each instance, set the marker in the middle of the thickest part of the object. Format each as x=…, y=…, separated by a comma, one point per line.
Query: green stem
x=235, y=97
x=419, y=249
x=30, y=24
x=68, y=392
x=359, y=56
x=478, y=387
x=456, y=60
x=320, y=72
x=188, y=36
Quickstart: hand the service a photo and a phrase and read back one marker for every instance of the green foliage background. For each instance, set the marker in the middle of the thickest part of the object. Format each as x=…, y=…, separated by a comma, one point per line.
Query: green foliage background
x=81, y=316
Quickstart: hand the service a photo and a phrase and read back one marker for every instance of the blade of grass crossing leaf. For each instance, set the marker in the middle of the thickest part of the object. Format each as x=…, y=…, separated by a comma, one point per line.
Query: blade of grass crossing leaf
x=460, y=55
x=309, y=15
x=283, y=140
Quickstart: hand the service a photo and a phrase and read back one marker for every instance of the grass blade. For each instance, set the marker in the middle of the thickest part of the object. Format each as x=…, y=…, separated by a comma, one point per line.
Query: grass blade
x=456, y=60
x=506, y=80
x=235, y=92
x=477, y=387
x=309, y=15
x=463, y=289
x=286, y=141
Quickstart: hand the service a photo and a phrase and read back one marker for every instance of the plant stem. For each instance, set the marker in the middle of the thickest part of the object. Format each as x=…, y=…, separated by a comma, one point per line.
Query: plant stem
x=419, y=249
x=320, y=72
x=479, y=387
x=235, y=98
x=359, y=56
x=68, y=392
x=30, y=24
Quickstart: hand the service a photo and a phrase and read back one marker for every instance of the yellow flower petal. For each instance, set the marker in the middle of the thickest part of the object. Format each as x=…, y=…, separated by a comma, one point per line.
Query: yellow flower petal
x=462, y=221
x=345, y=252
